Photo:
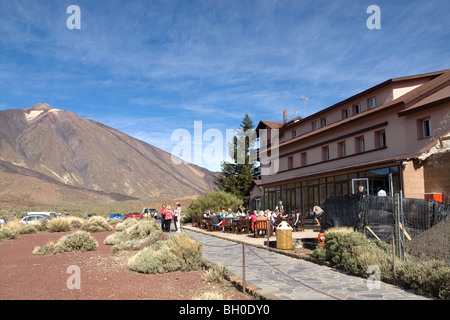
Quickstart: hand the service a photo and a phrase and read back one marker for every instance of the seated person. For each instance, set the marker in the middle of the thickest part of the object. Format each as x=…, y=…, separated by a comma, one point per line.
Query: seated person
x=215, y=221
x=297, y=218
x=253, y=217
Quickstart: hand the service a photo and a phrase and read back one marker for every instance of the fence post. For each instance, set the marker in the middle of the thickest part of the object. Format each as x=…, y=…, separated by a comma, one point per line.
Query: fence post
x=393, y=255
x=243, y=268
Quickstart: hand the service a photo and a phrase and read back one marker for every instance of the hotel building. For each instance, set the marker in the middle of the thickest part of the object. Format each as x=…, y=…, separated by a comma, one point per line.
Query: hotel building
x=394, y=136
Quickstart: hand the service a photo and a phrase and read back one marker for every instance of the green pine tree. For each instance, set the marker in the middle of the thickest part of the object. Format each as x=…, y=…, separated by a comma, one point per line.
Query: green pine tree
x=236, y=177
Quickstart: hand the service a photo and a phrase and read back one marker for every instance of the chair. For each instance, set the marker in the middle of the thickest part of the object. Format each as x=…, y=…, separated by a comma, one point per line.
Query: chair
x=242, y=225
x=203, y=221
x=227, y=224
x=259, y=226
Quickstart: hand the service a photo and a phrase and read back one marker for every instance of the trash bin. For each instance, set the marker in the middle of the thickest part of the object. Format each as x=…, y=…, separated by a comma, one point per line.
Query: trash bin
x=284, y=236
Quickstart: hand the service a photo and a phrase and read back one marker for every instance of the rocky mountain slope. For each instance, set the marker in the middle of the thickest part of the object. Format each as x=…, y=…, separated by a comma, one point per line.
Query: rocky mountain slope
x=72, y=157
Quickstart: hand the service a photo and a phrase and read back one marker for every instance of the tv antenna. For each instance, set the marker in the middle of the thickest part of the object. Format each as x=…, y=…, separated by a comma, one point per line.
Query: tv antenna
x=304, y=98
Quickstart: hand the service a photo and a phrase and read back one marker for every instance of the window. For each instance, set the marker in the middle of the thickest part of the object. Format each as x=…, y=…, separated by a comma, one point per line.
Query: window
x=342, y=150
x=345, y=113
x=294, y=133
x=426, y=128
x=325, y=153
x=360, y=145
x=372, y=102
x=290, y=162
x=356, y=108
x=380, y=139
x=315, y=126
x=323, y=122
x=303, y=159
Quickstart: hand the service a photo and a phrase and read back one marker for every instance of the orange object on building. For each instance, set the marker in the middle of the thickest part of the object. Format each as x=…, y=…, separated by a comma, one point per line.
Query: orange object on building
x=433, y=196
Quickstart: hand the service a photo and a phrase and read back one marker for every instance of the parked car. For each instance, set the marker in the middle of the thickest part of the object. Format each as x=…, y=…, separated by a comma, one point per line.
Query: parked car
x=47, y=214
x=29, y=219
x=135, y=215
x=116, y=216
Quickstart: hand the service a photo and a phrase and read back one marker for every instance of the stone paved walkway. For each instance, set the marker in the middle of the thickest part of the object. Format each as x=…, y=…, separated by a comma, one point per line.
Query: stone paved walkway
x=277, y=276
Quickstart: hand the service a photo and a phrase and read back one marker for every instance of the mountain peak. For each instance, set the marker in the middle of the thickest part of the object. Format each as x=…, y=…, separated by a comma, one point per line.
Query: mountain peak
x=37, y=110
x=39, y=107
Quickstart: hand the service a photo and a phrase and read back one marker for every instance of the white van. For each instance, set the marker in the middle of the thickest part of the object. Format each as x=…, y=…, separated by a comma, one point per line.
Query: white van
x=49, y=214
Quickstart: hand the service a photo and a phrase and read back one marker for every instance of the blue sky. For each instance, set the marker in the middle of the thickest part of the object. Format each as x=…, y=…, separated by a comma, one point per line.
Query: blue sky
x=149, y=67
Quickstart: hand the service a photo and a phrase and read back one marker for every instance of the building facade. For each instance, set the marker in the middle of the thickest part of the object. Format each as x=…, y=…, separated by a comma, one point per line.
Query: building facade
x=393, y=136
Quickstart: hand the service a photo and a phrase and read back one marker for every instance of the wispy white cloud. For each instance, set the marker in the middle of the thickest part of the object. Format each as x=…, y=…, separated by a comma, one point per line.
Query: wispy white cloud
x=138, y=62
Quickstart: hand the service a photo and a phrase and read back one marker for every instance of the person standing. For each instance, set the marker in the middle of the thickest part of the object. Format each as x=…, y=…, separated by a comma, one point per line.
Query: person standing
x=163, y=213
x=177, y=217
x=240, y=212
x=280, y=207
x=168, y=218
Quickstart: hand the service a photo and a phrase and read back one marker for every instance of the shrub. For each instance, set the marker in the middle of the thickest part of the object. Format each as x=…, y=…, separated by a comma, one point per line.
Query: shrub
x=8, y=234
x=137, y=235
x=179, y=253
x=125, y=224
x=215, y=201
x=210, y=296
x=354, y=252
x=58, y=225
x=76, y=241
x=28, y=229
x=76, y=222
x=429, y=278
x=96, y=224
x=215, y=274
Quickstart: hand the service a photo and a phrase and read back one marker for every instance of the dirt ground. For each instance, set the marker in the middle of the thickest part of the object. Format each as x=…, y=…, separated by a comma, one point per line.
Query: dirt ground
x=433, y=243
x=104, y=276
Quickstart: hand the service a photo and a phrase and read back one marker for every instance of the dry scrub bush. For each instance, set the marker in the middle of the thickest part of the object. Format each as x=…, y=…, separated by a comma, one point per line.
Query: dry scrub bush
x=8, y=234
x=96, y=224
x=76, y=241
x=125, y=224
x=209, y=295
x=76, y=222
x=179, y=253
x=137, y=235
x=58, y=225
x=28, y=229
x=215, y=274
x=13, y=225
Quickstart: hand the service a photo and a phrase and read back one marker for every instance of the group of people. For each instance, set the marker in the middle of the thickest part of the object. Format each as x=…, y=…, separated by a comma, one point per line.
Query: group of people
x=168, y=215
x=255, y=215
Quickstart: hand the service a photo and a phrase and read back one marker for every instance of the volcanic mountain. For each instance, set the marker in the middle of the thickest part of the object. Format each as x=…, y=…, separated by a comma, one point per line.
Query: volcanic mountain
x=71, y=158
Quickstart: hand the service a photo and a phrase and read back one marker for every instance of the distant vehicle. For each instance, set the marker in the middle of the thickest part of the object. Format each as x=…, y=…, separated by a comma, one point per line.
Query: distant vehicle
x=49, y=214
x=2, y=222
x=90, y=215
x=135, y=215
x=116, y=216
x=30, y=219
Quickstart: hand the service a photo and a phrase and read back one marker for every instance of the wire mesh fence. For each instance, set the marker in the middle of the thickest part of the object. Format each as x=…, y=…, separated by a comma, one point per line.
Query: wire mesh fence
x=384, y=218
